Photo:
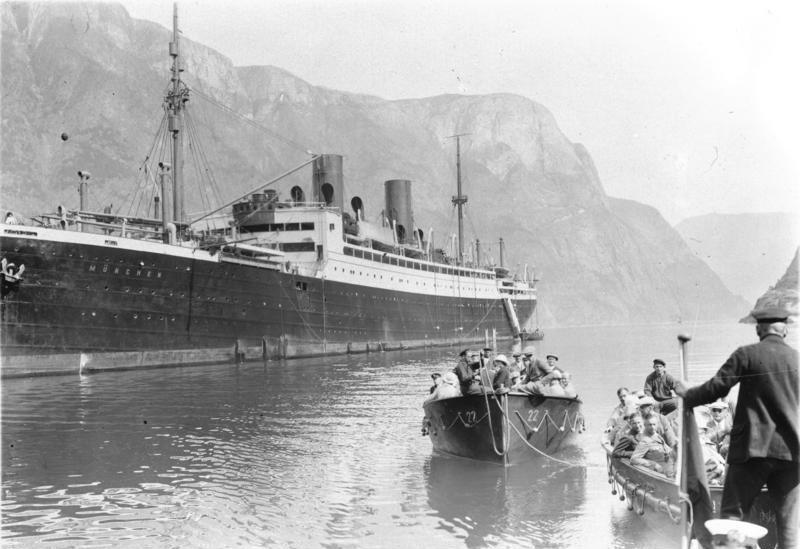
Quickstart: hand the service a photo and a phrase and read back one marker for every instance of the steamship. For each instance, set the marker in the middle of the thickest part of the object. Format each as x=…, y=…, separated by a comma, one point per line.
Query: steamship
x=280, y=277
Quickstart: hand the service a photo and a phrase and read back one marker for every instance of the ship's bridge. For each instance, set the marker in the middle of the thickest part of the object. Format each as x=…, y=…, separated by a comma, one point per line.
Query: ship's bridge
x=302, y=231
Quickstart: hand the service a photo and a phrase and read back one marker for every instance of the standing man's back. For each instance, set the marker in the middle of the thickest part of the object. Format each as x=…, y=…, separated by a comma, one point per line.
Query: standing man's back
x=764, y=447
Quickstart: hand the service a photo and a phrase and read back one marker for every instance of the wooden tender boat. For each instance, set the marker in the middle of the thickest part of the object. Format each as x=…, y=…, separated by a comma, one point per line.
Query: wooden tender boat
x=503, y=429
x=655, y=498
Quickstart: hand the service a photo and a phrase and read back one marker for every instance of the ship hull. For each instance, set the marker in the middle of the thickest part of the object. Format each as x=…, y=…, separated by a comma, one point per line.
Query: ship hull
x=83, y=306
x=506, y=430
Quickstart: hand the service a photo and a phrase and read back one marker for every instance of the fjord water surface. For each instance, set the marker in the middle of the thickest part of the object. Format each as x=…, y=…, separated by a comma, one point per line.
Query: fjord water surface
x=314, y=453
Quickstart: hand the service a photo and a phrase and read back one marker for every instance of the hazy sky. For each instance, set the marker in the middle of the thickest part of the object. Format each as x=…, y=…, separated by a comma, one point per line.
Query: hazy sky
x=691, y=107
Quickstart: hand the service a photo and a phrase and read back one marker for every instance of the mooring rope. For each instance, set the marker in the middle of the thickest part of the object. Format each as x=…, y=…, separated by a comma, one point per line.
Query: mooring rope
x=523, y=438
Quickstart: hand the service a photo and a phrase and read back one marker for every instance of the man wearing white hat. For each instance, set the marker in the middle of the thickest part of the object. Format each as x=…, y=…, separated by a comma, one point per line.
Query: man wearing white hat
x=765, y=446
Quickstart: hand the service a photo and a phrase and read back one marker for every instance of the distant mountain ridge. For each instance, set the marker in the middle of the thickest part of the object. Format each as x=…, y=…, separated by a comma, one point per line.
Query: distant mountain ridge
x=93, y=72
x=748, y=251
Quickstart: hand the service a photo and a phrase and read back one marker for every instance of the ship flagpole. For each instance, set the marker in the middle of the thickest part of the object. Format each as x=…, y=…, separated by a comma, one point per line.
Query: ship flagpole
x=459, y=199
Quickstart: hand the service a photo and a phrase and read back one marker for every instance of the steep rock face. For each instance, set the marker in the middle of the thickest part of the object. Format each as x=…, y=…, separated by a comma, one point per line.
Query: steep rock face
x=784, y=294
x=745, y=250
x=91, y=71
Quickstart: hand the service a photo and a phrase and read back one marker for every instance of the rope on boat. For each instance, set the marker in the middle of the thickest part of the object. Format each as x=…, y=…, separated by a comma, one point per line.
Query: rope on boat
x=524, y=439
x=464, y=423
x=491, y=428
x=573, y=427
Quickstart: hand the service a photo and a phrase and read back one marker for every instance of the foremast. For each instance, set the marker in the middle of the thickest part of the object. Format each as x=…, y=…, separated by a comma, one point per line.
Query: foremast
x=460, y=199
x=175, y=99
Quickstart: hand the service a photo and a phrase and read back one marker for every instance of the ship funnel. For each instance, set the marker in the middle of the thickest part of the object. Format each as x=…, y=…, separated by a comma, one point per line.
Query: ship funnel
x=399, y=210
x=328, y=187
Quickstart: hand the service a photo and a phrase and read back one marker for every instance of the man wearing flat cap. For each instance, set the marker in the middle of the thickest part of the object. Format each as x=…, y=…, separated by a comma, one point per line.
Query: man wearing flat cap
x=466, y=368
x=535, y=368
x=660, y=385
x=764, y=443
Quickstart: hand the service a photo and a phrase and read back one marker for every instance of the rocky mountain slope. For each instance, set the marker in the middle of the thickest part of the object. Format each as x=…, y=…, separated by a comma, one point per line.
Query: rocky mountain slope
x=747, y=251
x=784, y=294
x=90, y=71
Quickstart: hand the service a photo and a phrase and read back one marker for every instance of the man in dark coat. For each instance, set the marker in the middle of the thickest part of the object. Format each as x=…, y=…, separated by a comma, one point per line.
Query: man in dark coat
x=659, y=385
x=465, y=369
x=764, y=447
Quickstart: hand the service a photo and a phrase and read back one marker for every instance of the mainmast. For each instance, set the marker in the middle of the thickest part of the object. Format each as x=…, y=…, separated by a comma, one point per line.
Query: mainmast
x=460, y=199
x=176, y=97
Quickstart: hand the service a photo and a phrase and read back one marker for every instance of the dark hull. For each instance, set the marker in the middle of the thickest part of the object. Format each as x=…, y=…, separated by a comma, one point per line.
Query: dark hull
x=505, y=430
x=655, y=498
x=95, y=307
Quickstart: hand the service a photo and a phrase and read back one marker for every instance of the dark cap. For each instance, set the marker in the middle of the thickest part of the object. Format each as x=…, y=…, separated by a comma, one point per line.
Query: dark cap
x=434, y=375
x=770, y=314
x=487, y=349
x=554, y=357
x=464, y=352
x=659, y=361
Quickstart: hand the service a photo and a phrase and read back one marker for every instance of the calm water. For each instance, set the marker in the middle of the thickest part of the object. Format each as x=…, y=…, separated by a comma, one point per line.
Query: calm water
x=312, y=453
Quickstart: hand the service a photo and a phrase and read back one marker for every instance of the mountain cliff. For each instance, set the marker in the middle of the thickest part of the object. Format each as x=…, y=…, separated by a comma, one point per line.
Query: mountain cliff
x=784, y=294
x=747, y=251
x=91, y=72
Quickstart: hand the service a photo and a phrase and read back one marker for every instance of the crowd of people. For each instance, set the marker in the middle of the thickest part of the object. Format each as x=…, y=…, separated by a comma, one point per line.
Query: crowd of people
x=480, y=371
x=644, y=430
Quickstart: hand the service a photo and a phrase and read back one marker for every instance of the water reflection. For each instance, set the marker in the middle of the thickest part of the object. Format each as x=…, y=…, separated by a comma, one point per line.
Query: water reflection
x=486, y=504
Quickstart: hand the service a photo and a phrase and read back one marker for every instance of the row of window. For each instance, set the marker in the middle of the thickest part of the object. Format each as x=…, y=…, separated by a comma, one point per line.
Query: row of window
x=273, y=227
x=416, y=283
x=387, y=259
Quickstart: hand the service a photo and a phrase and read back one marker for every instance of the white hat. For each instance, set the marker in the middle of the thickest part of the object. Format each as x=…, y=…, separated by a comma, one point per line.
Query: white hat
x=717, y=405
x=450, y=378
x=743, y=533
x=646, y=400
x=529, y=350
x=501, y=358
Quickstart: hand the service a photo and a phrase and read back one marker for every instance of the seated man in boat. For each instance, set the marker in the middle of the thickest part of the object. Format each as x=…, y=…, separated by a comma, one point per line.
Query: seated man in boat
x=437, y=380
x=646, y=408
x=501, y=383
x=447, y=389
x=652, y=451
x=661, y=386
x=713, y=461
x=467, y=371
x=486, y=358
x=536, y=369
x=626, y=443
x=718, y=427
x=625, y=407
x=10, y=219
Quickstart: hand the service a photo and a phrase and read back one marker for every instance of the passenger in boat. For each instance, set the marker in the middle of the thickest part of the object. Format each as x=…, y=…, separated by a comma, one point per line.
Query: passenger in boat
x=516, y=368
x=486, y=358
x=621, y=409
x=466, y=372
x=437, y=380
x=448, y=388
x=535, y=368
x=652, y=451
x=713, y=461
x=627, y=441
x=765, y=444
x=618, y=421
x=10, y=219
x=661, y=386
x=719, y=427
x=647, y=408
x=501, y=383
